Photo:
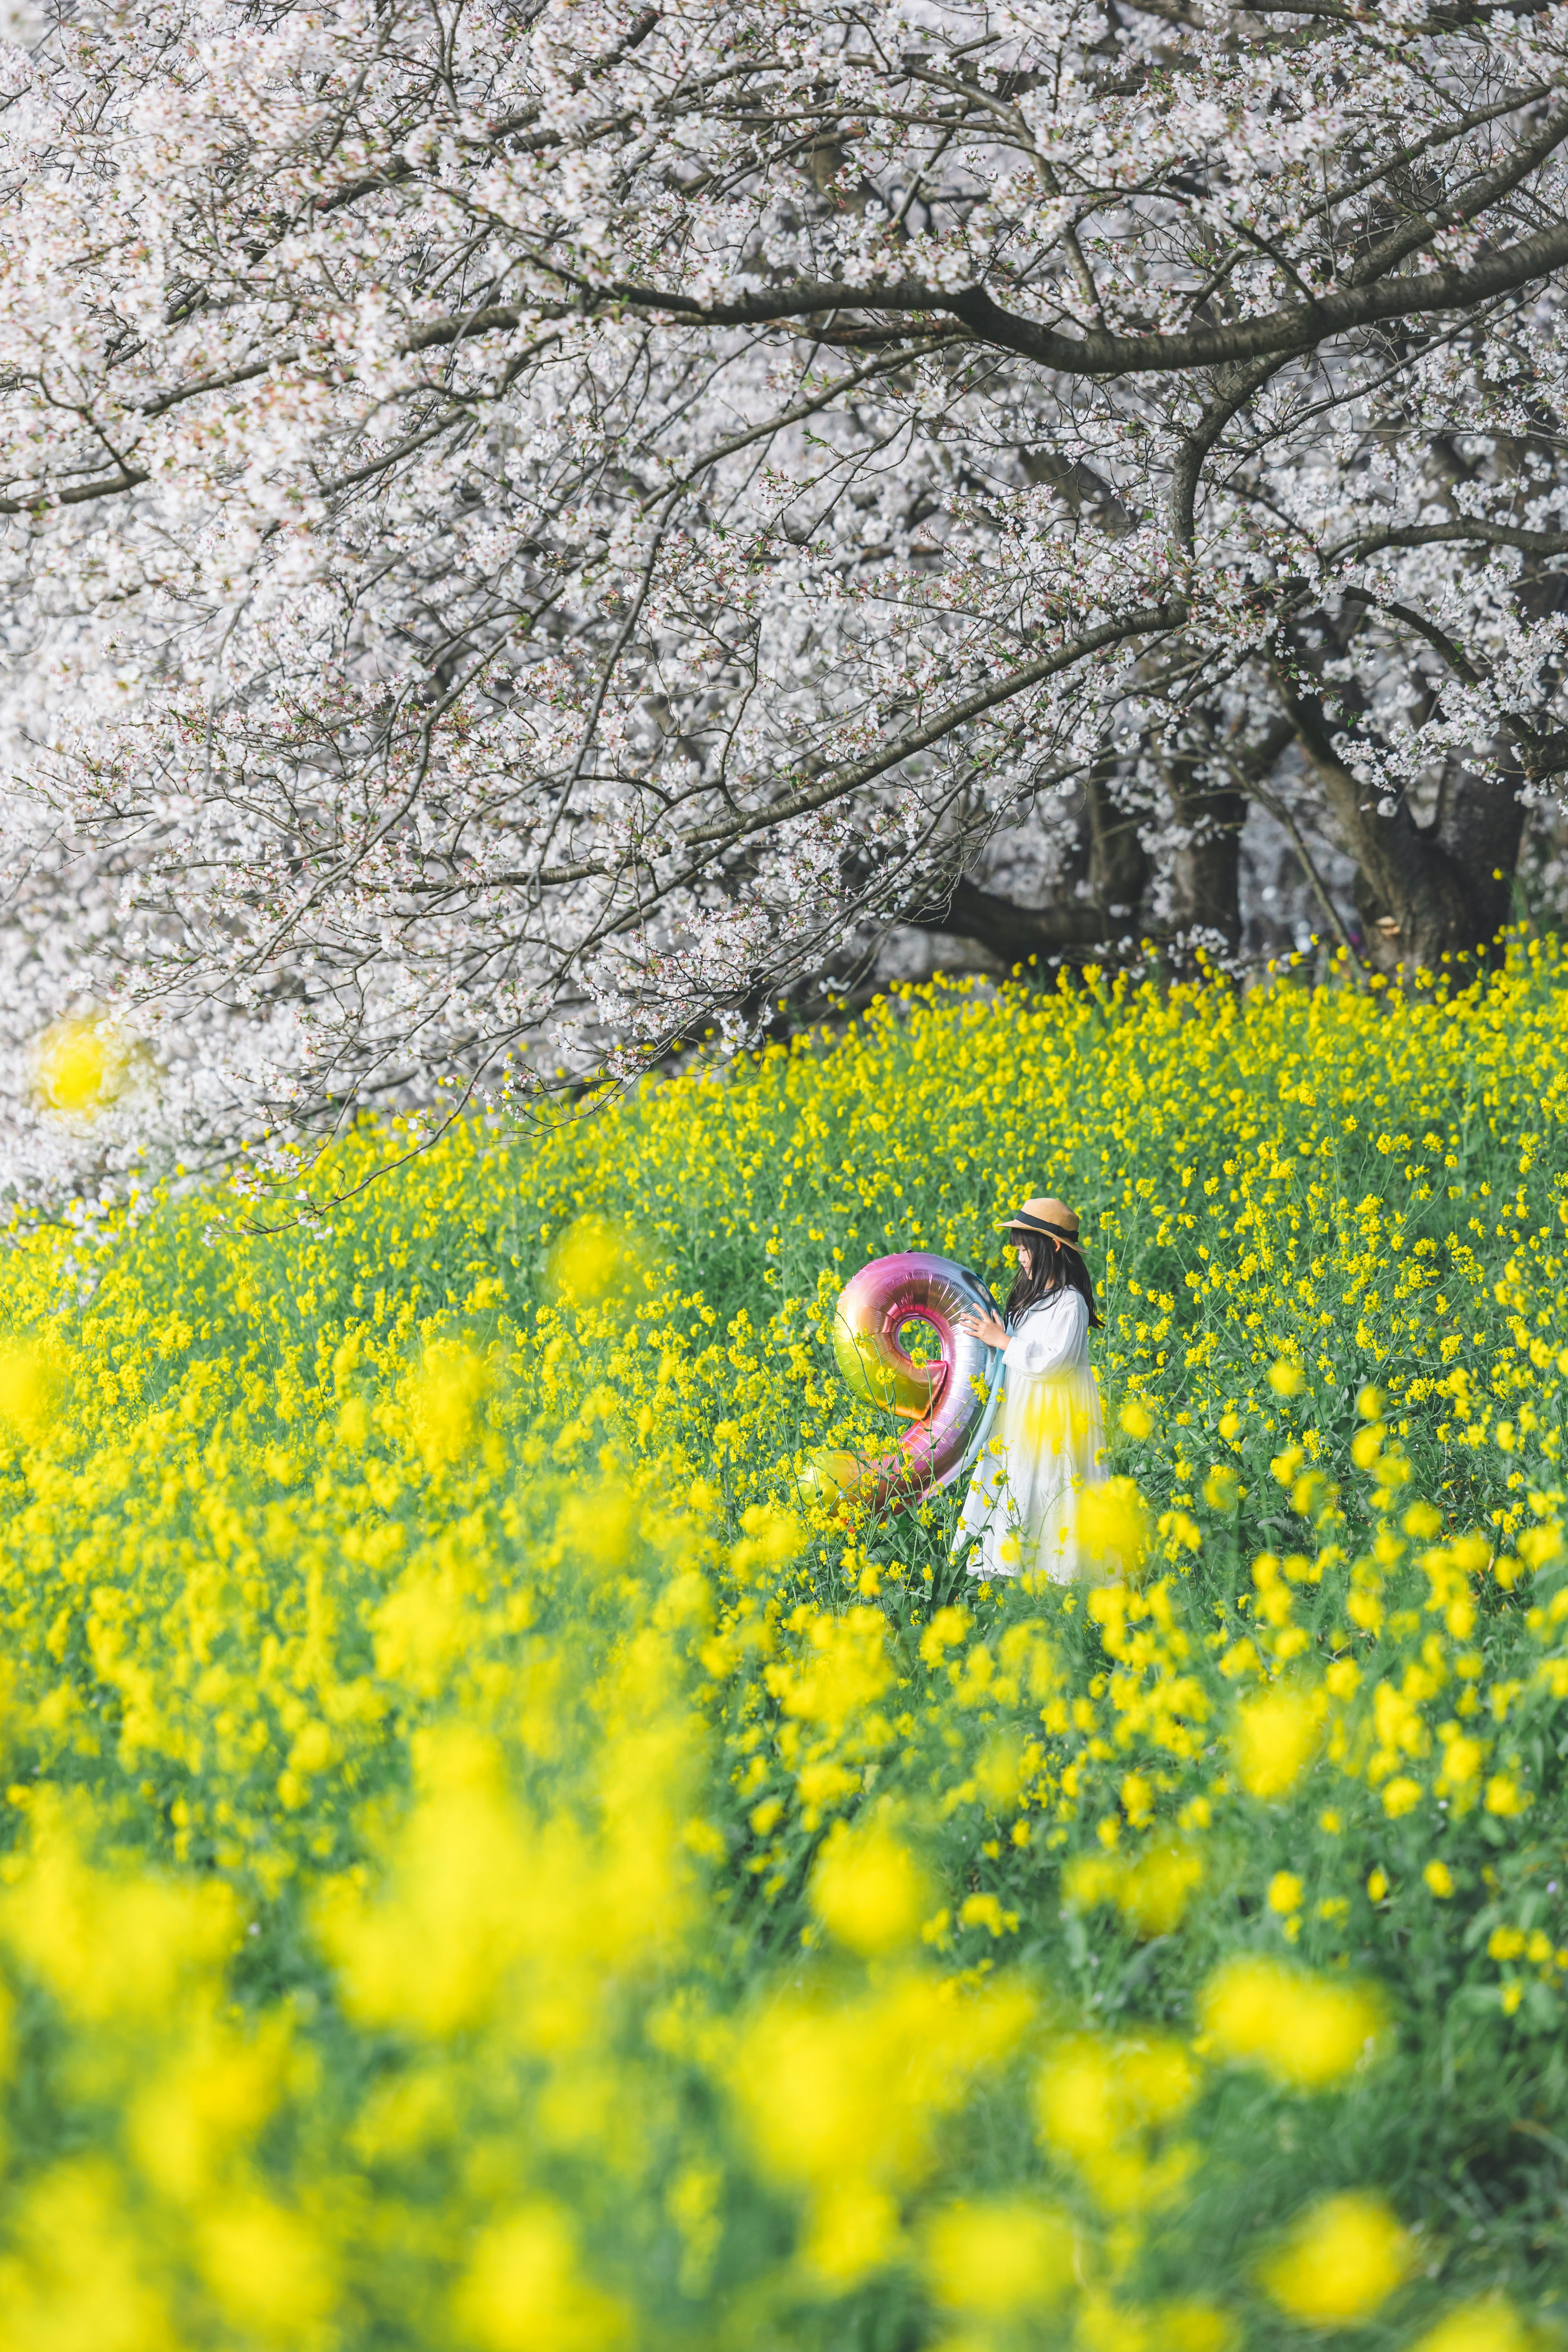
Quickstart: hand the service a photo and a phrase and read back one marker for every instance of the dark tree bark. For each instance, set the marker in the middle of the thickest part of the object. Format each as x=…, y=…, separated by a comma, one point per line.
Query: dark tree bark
x=1115, y=868
x=1425, y=892
x=1118, y=861
x=1207, y=868
x=1009, y=931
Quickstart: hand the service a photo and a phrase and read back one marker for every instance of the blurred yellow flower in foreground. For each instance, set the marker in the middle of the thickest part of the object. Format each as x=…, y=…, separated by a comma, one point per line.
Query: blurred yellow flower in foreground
x=843, y=2103
x=1151, y=1892
x=593, y=1262
x=114, y=1945
x=1341, y=2264
x=1005, y=2255
x=1104, y=2104
x=434, y=1951
x=525, y=2292
x=30, y=1391
x=77, y=2278
x=265, y=2268
x=1303, y=2030
x=1113, y=1526
x=444, y=1396
x=867, y=1888
x=1493, y=2326
x=1136, y=1418
x=1094, y=2093
x=81, y=1066
x=848, y=1666
x=189, y=2120
x=1275, y=1739
x=1188, y=2324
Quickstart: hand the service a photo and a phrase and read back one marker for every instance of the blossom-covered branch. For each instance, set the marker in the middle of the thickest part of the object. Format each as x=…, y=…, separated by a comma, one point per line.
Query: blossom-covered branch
x=530, y=527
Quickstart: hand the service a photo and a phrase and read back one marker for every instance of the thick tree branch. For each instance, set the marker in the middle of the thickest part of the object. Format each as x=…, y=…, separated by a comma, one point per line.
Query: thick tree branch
x=1294, y=328
x=1011, y=932
x=1441, y=642
x=80, y=495
x=1467, y=531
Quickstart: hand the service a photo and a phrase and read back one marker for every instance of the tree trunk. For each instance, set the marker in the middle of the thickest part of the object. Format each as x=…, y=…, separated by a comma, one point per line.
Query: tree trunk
x=1118, y=861
x=1425, y=892
x=1080, y=928
x=1206, y=871
x=1206, y=868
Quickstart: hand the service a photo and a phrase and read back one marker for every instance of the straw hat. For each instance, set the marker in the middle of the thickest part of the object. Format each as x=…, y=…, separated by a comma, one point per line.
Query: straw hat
x=1045, y=1215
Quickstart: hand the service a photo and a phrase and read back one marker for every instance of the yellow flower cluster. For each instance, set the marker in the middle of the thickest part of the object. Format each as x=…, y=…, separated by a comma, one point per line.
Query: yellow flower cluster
x=488, y=1860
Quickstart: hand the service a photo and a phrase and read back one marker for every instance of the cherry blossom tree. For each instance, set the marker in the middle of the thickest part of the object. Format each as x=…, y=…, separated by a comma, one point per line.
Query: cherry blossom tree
x=528, y=527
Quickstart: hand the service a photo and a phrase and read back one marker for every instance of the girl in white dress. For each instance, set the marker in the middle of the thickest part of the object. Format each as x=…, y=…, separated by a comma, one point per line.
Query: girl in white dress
x=1021, y=1511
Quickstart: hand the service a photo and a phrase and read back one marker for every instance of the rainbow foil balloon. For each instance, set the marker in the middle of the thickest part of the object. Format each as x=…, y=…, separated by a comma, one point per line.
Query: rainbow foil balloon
x=949, y=1402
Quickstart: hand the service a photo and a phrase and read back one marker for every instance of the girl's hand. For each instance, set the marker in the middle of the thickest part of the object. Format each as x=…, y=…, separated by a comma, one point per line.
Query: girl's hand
x=988, y=1328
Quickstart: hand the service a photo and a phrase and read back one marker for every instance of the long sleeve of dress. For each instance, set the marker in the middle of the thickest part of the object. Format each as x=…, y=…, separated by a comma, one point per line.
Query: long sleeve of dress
x=1048, y=1338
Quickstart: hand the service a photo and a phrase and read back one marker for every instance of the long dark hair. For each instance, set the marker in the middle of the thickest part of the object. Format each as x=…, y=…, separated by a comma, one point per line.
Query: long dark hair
x=1049, y=1266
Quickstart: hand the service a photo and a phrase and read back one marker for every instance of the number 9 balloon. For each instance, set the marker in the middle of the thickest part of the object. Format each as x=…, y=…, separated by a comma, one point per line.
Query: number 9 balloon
x=950, y=1404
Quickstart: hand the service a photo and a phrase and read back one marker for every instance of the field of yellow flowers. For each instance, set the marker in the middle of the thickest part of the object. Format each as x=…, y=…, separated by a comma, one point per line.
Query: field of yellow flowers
x=487, y=1867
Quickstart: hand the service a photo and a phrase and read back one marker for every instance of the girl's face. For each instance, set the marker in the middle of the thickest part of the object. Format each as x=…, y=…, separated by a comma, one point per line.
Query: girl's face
x=1023, y=1254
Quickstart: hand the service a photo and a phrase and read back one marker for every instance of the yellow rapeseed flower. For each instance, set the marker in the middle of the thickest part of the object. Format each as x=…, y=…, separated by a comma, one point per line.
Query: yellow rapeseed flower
x=81, y=1066
x=844, y=2103
x=1275, y=1736
x=1341, y=2264
x=1135, y=1419
x=1113, y=1526
x=31, y=1392
x=1152, y=1891
x=525, y=2289
x=1305, y=2032
x=1105, y=2106
x=1491, y=2324
x=595, y=1263
x=867, y=1888
x=999, y=2257
x=444, y=1400
x=268, y=2270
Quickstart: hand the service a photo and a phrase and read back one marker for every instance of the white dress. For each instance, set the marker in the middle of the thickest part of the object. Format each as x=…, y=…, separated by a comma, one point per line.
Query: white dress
x=1021, y=1510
